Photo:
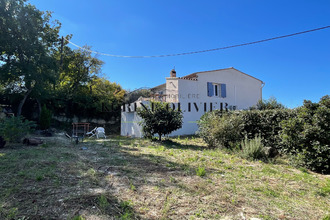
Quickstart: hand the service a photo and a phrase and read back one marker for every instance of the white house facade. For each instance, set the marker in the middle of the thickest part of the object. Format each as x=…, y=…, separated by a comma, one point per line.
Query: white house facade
x=195, y=94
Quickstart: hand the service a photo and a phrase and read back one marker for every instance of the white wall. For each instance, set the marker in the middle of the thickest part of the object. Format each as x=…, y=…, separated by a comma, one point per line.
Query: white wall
x=243, y=91
x=130, y=124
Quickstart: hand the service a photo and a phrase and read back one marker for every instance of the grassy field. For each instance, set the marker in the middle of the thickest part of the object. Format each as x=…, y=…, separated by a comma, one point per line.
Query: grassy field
x=122, y=178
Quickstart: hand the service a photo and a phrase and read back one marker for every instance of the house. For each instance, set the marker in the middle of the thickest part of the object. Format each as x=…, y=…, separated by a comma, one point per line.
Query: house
x=195, y=94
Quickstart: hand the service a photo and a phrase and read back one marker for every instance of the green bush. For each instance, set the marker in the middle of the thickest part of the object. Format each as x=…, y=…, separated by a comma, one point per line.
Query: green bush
x=265, y=123
x=45, y=118
x=253, y=149
x=220, y=129
x=227, y=128
x=307, y=136
x=159, y=119
x=13, y=129
x=271, y=103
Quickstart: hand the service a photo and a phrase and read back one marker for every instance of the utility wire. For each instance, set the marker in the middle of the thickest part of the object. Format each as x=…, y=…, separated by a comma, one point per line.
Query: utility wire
x=201, y=51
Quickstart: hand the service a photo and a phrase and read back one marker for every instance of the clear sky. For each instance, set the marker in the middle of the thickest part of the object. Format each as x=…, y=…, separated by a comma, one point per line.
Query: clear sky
x=293, y=69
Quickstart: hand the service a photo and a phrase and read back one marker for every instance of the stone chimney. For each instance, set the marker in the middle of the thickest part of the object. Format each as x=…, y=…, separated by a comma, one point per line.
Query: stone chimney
x=173, y=73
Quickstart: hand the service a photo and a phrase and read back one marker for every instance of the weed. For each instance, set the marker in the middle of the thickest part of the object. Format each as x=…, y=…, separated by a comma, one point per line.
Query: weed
x=12, y=213
x=325, y=190
x=327, y=217
x=303, y=169
x=103, y=203
x=91, y=172
x=200, y=171
x=253, y=149
x=166, y=208
x=127, y=210
x=132, y=187
x=39, y=177
x=44, y=145
x=172, y=179
x=186, y=140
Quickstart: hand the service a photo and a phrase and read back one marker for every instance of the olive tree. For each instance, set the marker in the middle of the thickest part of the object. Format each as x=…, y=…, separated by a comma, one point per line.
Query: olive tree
x=159, y=119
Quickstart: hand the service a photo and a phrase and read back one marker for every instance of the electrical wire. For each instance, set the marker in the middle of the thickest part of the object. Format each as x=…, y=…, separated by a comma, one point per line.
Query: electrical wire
x=200, y=51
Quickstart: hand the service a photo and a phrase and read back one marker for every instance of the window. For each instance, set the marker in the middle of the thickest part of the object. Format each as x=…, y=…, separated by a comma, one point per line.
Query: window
x=216, y=89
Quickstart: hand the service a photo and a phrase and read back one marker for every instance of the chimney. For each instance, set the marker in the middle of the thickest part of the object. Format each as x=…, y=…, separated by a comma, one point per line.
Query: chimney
x=173, y=73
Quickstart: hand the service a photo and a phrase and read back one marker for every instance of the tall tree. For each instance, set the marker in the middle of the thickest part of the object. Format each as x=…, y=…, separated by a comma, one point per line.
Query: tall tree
x=28, y=42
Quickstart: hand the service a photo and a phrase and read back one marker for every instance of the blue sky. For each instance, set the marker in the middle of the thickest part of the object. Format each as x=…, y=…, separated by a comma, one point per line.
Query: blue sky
x=293, y=69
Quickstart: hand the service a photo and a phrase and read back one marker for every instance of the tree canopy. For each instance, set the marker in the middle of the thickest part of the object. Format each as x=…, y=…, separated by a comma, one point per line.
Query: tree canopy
x=28, y=42
x=38, y=67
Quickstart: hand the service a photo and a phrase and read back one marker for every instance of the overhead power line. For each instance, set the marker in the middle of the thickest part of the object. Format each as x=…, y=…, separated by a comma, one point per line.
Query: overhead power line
x=201, y=51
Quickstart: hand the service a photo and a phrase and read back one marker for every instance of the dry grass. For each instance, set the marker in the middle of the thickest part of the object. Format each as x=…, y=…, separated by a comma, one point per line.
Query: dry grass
x=125, y=178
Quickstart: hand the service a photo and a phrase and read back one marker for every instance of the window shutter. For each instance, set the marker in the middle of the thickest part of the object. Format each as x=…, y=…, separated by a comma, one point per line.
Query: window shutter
x=223, y=91
x=209, y=89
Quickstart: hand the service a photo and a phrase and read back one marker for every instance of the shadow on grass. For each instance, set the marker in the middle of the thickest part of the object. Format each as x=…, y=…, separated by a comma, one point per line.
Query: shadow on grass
x=138, y=166
x=63, y=182
x=170, y=144
x=47, y=183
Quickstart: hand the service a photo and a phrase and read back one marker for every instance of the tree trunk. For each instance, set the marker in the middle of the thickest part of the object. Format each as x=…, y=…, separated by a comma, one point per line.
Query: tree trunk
x=160, y=137
x=20, y=106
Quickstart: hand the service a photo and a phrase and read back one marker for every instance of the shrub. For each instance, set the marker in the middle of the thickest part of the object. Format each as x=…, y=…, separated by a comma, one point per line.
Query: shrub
x=220, y=129
x=265, y=123
x=271, y=103
x=13, y=129
x=45, y=118
x=227, y=128
x=159, y=119
x=253, y=149
x=307, y=136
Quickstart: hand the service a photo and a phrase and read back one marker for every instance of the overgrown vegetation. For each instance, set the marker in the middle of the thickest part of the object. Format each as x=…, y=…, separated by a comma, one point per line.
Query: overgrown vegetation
x=253, y=149
x=179, y=178
x=307, y=136
x=13, y=129
x=159, y=119
x=303, y=133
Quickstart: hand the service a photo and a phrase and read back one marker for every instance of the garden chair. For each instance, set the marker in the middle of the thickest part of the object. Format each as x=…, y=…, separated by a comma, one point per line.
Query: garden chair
x=98, y=132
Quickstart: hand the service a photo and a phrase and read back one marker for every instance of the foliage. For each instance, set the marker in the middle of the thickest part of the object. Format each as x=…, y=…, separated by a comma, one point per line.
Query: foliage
x=132, y=96
x=220, y=129
x=200, y=171
x=307, y=136
x=269, y=104
x=81, y=92
x=29, y=40
x=265, y=123
x=35, y=70
x=159, y=119
x=13, y=129
x=253, y=149
x=45, y=118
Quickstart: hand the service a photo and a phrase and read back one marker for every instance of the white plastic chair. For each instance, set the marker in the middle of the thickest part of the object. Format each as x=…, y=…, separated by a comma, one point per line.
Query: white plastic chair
x=98, y=132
